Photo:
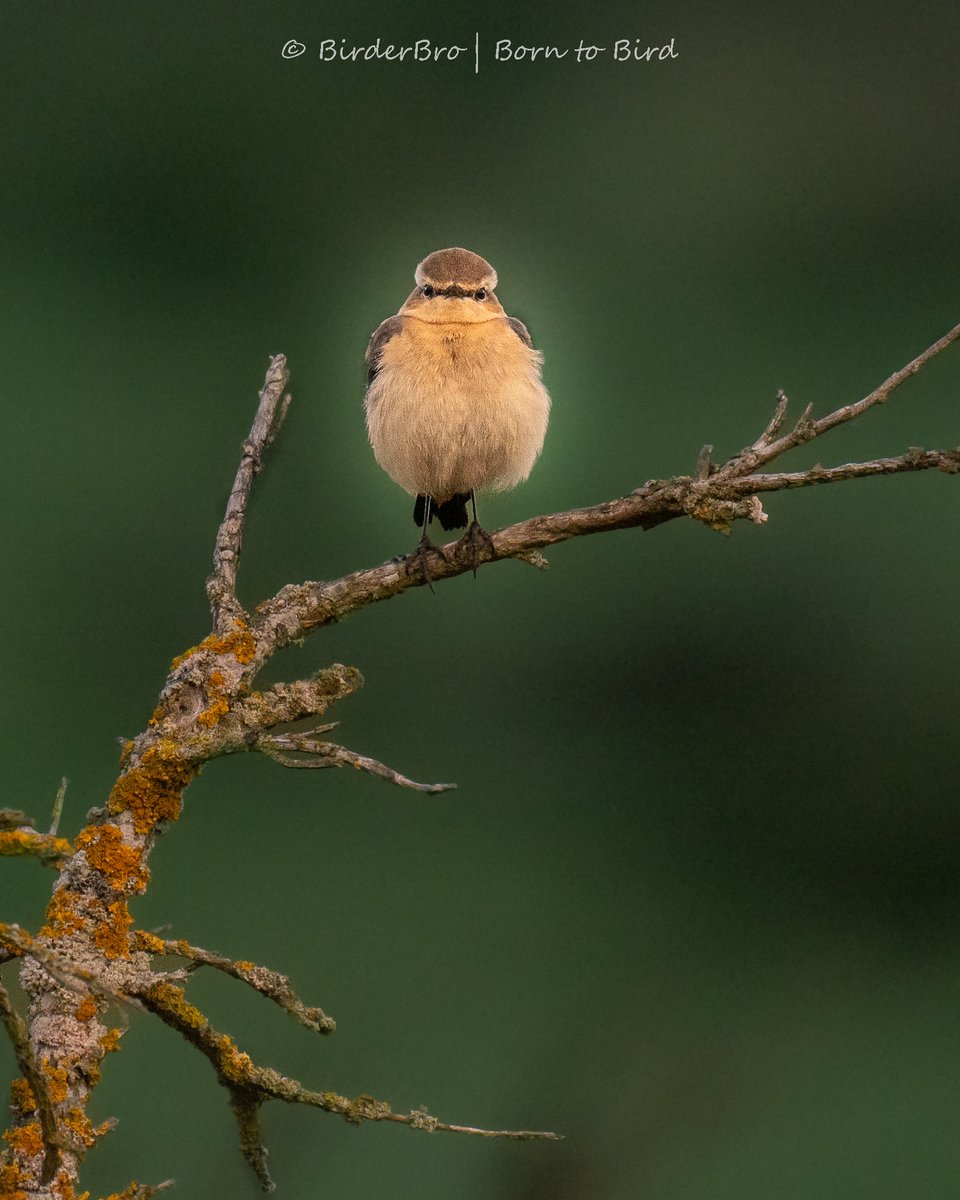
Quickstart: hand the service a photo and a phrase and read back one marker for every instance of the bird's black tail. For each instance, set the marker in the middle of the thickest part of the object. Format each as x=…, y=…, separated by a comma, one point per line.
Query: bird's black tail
x=452, y=513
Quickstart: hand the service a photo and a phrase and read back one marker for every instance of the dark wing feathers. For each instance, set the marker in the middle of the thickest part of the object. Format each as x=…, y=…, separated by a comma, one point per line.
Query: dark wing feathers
x=520, y=330
x=381, y=335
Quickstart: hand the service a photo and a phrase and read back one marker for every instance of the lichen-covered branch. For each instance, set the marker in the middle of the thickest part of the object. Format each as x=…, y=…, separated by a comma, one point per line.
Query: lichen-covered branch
x=19, y=836
x=272, y=984
x=31, y=1094
x=250, y=1086
x=87, y=957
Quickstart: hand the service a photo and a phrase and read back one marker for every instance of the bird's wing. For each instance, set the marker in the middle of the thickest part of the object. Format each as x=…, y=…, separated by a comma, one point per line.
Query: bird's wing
x=381, y=335
x=521, y=331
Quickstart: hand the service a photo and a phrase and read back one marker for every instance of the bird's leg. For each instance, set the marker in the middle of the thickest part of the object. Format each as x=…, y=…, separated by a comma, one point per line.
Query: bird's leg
x=420, y=556
x=475, y=537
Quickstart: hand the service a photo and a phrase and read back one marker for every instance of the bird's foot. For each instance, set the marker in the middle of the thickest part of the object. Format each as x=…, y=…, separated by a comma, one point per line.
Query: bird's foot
x=476, y=540
x=419, y=560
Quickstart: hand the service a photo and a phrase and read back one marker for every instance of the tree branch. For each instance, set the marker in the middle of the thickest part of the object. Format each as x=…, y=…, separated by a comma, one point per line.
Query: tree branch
x=272, y=984
x=281, y=747
x=298, y=609
x=222, y=584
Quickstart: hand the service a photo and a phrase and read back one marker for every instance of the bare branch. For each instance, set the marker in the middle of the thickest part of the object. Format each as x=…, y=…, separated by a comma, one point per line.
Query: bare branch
x=272, y=984
x=58, y=806
x=222, y=584
x=329, y=754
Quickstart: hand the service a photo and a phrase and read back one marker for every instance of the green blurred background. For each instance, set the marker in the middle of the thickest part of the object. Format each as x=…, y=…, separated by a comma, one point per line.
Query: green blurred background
x=695, y=903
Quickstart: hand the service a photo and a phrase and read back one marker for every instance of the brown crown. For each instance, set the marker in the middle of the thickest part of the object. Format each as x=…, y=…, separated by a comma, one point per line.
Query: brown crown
x=456, y=267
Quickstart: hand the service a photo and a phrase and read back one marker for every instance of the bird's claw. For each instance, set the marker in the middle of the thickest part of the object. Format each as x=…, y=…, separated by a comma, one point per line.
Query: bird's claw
x=475, y=538
x=419, y=560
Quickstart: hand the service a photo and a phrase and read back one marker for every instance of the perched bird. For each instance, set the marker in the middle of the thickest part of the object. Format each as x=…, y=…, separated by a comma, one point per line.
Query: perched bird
x=454, y=400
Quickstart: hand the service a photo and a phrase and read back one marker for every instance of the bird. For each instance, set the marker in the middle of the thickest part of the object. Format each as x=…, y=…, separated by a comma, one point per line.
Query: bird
x=455, y=403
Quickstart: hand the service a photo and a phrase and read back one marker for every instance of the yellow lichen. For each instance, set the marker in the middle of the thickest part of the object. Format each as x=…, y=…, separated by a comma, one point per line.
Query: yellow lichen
x=86, y=1009
x=63, y=1187
x=126, y=750
x=243, y=965
x=119, y=863
x=25, y=1139
x=62, y=916
x=210, y=716
x=142, y=940
x=56, y=1081
x=111, y=1040
x=47, y=848
x=240, y=644
x=234, y=1063
x=11, y=1177
x=110, y=930
x=151, y=791
x=21, y=1096
x=79, y=1124
x=172, y=1000
x=128, y=1193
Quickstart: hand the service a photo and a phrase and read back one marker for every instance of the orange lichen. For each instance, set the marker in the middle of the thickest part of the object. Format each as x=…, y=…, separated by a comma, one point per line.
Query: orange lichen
x=21, y=1096
x=126, y=750
x=110, y=931
x=63, y=918
x=63, y=1187
x=151, y=791
x=111, y=1040
x=243, y=965
x=240, y=644
x=128, y=1193
x=234, y=1063
x=11, y=1177
x=171, y=999
x=210, y=716
x=56, y=1081
x=86, y=1009
x=44, y=846
x=25, y=1139
x=79, y=1124
x=142, y=940
x=119, y=863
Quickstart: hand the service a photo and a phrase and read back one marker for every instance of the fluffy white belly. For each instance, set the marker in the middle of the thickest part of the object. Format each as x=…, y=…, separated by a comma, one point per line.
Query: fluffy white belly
x=455, y=408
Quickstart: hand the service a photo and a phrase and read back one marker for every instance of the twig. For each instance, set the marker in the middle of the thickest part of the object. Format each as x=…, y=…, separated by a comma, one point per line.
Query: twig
x=271, y=410
x=272, y=984
x=329, y=754
x=250, y=1086
x=58, y=806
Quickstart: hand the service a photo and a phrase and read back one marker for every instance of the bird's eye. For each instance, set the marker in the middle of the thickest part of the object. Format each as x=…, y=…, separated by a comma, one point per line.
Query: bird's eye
x=428, y=291
x=481, y=294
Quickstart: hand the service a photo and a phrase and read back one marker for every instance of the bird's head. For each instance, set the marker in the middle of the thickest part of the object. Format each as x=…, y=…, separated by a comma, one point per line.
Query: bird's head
x=454, y=286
